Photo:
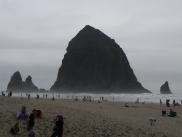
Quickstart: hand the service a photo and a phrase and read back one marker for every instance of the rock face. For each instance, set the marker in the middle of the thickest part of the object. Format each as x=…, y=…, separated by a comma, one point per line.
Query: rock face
x=28, y=84
x=17, y=84
x=164, y=89
x=95, y=63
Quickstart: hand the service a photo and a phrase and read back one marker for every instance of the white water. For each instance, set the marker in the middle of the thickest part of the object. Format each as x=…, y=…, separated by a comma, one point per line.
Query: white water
x=145, y=97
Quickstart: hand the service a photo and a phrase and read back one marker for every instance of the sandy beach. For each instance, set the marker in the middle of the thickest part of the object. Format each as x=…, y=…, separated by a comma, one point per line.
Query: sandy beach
x=91, y=119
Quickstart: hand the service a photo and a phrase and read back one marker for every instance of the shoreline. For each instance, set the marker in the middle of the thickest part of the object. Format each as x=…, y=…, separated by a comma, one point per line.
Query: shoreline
x=145, y=97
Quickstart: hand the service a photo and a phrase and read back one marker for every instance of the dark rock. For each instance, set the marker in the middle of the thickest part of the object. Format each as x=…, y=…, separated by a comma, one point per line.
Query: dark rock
x=95, y=63
x=16, y=83
x=28, y=84
x=164, y=89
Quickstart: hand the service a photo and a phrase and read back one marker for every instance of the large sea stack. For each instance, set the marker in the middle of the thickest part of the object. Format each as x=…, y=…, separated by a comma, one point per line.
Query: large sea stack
x=17, y=84
x=95, y=63
x=164, y=89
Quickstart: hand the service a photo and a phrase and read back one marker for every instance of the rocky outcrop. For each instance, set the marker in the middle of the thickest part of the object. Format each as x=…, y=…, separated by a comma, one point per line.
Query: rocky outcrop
x=165, y=89
x=17, y=84
x=28, y=84
x=95, y=63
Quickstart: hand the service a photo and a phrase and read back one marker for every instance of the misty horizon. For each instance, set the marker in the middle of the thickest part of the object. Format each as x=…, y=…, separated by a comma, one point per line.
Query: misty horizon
x=34, y=37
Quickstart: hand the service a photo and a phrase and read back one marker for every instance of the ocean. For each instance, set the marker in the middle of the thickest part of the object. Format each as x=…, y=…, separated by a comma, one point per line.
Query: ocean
x=143, y=97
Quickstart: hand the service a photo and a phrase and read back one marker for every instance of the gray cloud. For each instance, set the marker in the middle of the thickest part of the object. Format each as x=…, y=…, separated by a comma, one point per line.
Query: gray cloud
x=34, y=35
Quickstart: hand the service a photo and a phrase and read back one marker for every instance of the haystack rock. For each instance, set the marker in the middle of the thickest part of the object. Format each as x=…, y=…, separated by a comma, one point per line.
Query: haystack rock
x=17, y=84
x=164, y=89
x=95, y=63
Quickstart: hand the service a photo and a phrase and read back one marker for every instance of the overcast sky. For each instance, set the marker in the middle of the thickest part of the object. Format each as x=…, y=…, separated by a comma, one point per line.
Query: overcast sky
x=35, y=33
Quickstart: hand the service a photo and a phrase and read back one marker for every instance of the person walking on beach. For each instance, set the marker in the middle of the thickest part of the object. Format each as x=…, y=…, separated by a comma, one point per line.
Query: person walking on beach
x=167, y=103
x=174, y=103
x=38, y=96
x=58, y=128
x=160, y=102
x=28, y=96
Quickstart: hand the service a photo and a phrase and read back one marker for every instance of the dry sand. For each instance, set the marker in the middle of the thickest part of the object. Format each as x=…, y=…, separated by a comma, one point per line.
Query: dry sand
x=91, y=119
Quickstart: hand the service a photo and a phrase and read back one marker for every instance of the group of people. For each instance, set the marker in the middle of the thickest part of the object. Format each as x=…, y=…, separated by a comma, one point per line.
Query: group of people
x=9, y=94
x=36, y=114
x=38, y=96
x=170, y=112
x=168, y=103
x=87, y=98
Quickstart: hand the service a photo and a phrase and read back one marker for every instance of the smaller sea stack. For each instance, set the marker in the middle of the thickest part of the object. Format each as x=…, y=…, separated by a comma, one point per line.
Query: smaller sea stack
x=165, y=88
x=17, y=84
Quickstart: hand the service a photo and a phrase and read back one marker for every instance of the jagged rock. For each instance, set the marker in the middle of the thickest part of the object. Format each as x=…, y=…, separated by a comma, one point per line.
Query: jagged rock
x=16, y=83
x=164, y=89
x=29, y=84
x=28, y=79
x=95, y=63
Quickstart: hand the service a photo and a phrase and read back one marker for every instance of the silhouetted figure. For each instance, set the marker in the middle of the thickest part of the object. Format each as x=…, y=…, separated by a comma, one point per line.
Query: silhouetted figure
x=163, y=112
x=53, y=98
x=37, y=96
x=28, y=96
x=31, y=120
x=76, y=98
x=10, y=94
x=58, y=128
x=15, y=129
x=177, y=104
x=3, y=94
x=167, y=103
x=160, y=102
x=84, y=99
x=137, y=101
x=23, y=114
x=174, y=103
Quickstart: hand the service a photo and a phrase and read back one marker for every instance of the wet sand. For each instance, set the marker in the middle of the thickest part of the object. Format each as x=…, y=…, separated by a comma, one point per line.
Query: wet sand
x=91, y=119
